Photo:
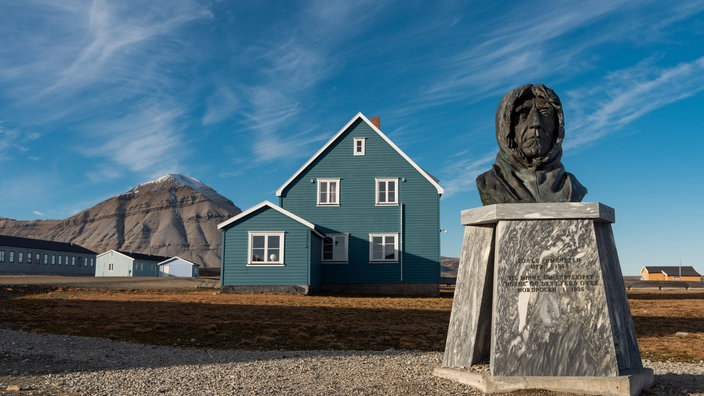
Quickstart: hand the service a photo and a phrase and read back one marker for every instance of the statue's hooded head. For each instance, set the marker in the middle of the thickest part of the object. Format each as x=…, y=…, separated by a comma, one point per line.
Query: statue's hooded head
x=513, y=118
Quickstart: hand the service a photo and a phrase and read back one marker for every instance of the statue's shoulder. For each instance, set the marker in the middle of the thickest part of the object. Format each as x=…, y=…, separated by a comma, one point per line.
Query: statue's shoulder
x=492, y=189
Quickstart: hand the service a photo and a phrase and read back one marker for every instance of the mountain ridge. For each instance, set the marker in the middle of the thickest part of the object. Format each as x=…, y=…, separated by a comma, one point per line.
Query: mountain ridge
x=174, y=215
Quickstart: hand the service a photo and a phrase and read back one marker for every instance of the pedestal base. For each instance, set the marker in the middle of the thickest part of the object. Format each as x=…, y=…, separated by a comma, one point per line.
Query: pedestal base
x=540, y=295
x=628, y=383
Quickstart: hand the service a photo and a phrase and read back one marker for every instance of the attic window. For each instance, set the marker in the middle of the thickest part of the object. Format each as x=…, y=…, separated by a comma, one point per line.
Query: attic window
x=360, y=146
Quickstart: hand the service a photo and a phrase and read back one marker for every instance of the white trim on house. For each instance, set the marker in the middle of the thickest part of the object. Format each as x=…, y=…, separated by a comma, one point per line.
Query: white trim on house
x=276, y=208
x=337, y=260
x=268, y=260
x=176, y=258
x=381, y=134
x=112, y=250
x=332, y=195
x=360, y=147
x=386, y=202
x=383, y=235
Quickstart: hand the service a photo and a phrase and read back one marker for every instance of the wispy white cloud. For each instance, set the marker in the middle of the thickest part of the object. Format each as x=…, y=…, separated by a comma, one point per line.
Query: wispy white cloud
x=103, y=172
x=145, y=141
x=628, y=94
x=88, y=63
x=519, y=50
x=14, y=141
x=96, y=44
x=464, y=170
x=295, y=60
x=221, y=105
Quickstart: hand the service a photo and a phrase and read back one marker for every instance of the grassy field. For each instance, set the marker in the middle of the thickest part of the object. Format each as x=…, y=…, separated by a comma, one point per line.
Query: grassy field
x=669, y=324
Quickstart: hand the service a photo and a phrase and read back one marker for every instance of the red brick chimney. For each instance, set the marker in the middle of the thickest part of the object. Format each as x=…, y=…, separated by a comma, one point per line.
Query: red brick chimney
x=377, y=122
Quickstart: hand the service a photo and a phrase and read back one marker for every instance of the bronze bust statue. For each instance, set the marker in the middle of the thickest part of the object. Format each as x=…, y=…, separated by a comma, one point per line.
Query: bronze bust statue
x=529, y=130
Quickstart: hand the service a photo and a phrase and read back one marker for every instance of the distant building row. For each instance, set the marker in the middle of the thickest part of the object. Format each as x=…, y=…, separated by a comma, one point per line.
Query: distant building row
x=21, y=256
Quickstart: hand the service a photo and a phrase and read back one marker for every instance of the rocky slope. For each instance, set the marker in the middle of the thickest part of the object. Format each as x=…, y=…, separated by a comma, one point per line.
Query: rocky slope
x=174, y=215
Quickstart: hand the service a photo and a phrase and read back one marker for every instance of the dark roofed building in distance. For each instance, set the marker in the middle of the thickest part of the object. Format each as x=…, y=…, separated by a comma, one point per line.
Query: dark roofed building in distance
x=670, y=273
x=25, y=256
x=122, y=263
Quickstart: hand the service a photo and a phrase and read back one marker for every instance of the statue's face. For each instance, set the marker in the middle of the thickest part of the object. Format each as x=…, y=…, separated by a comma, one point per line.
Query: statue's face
x=535, y=127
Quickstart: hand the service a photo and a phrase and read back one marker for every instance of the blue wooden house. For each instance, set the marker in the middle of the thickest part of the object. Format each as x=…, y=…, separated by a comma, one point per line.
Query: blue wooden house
x=358, y=216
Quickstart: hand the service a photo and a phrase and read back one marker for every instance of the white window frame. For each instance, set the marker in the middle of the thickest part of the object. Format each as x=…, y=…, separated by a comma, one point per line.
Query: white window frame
x=267, y=260
x=325, y=183
x=360, y=146
x=383, y=258
x=337, y=260
x=386, y=202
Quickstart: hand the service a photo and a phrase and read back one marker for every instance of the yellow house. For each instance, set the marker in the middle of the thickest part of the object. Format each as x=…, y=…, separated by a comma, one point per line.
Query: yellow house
x=670, y=273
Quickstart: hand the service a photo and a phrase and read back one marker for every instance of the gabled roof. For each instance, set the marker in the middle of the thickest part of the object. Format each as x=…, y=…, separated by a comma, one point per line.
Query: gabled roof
x=137, y=256
x=177, y=258
x=361, y=116
x=271, y=206
x=28, y=243
x=672, y=270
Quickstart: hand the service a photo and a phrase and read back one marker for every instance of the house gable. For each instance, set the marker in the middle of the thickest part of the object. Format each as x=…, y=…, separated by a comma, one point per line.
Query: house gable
x=335, y=140
x=299, y=240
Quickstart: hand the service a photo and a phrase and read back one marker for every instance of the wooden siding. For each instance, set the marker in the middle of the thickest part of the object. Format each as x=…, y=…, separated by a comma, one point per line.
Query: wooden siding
x=122, y=265
x=145, y=268
x=316, y=258
x=297, y=252
x=85, y=263
x=358, y=215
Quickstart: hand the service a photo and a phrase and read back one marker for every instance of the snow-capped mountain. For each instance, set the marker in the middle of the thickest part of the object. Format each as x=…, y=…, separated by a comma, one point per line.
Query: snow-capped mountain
x=174, y=215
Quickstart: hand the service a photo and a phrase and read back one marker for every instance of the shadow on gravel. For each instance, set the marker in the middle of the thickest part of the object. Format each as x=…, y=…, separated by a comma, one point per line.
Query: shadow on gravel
x=23, y=353
x=677, y=384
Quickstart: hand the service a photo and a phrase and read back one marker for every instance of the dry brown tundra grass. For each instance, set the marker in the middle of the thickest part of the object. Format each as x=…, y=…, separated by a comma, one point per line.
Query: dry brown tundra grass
x=669, y=324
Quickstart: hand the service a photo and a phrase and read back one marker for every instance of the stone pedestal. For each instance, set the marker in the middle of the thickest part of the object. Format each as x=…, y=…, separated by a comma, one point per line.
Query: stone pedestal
x=540, y=294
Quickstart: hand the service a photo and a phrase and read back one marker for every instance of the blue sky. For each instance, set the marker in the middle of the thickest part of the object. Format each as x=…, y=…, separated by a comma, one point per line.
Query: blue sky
x=99, y=96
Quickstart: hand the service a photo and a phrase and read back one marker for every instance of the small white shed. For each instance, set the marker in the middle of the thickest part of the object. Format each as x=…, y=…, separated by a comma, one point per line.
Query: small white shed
x=178, y=267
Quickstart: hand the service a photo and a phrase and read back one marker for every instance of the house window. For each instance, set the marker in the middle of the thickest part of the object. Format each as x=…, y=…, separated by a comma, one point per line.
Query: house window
x=383, y=247
x=360, y=146
x=335, y=248
x=73, y=260
x=2, y=256
x=53, y=259
x=111, y=266
x=20, y=257
x=387, y=191
x=46, y=259
x=328, y=191
x=37, y=258
x=91, y=262
x=60, y=257
x=12, y=256
x=29, y=258
x=66, y=263
x=266, y=248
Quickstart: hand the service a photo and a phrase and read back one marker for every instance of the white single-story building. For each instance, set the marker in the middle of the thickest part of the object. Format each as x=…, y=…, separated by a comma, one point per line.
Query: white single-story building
x=178, y=267
x=121, y=263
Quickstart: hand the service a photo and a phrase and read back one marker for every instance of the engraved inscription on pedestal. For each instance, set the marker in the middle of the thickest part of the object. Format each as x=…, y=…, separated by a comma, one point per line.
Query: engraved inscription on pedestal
x=550, y=310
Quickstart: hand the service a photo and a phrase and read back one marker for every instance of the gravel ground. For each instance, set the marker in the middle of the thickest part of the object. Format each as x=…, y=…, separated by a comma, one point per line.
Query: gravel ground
x=42, y=364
